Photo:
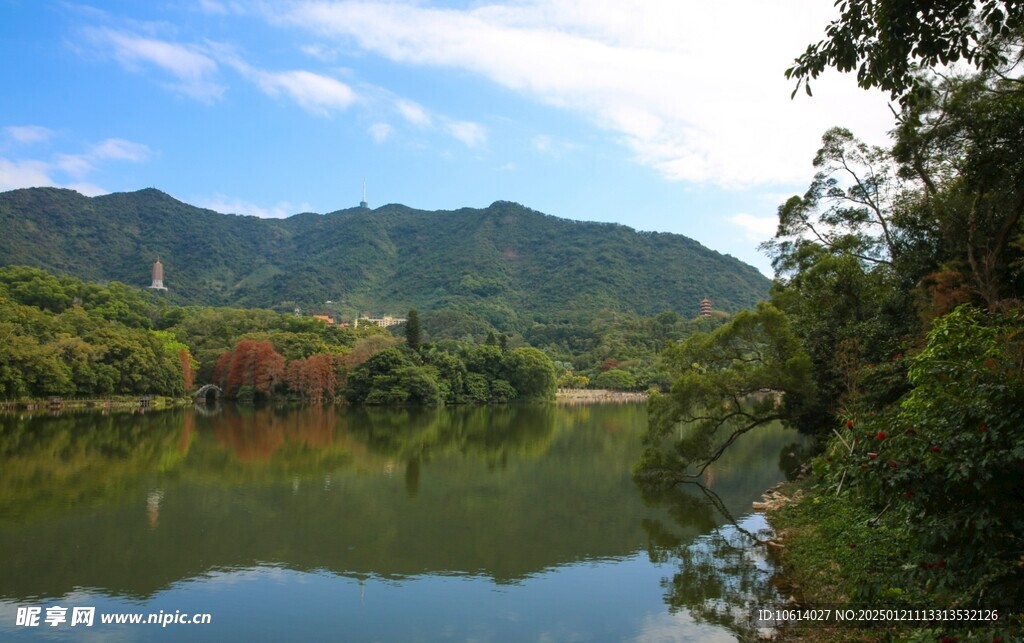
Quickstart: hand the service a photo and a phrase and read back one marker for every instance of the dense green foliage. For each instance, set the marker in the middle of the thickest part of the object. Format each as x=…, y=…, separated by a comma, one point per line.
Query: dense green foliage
x=947, y=460
x=901, y=274
x=616, y=351
x=727, y=383
x=887, y=42
x=63, y=336
x=502, y=267
x=902, y=271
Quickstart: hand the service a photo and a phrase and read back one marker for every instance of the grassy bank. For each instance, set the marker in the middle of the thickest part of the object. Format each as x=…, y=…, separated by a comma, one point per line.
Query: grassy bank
x=835, y=555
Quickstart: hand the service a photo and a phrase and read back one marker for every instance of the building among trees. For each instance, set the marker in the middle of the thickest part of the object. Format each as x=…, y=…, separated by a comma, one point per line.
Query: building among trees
x=705, y=308
x=384, y=322
x=158, y=276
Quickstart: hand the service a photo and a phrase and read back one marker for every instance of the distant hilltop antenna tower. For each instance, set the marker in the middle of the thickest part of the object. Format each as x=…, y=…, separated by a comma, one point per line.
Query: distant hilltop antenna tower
x=158, y=276
x=705, y=307
x=363, y=204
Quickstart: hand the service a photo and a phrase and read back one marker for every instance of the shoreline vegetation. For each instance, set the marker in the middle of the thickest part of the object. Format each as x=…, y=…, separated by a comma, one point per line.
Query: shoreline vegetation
x=57, y=403
x=824, y=547
x=67, y=338
x=156, y=402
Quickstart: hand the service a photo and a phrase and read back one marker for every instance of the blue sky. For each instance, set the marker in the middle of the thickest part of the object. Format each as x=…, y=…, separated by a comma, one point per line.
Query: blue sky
x=668, y=115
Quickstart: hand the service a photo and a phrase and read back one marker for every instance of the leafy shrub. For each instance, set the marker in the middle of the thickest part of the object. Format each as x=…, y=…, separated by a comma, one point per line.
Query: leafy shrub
x=947, y=463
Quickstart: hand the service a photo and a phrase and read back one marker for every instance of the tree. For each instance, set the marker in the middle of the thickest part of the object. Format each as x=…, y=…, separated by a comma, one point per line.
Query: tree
x=412, y=330
x=965, y=144
x=531, y=373
x=888, y=41
x=943, y=466
x=376, y=373
x=745, y=374
x=616, y=379
x=313, y=378
x=848, y=207
x=251, y=364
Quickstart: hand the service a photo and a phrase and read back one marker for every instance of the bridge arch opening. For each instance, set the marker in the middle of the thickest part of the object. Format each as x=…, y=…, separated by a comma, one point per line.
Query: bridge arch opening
x=209, y=394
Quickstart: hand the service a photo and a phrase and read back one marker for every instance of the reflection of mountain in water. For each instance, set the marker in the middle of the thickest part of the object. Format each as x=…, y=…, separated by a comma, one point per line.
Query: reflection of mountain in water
x=133, y=504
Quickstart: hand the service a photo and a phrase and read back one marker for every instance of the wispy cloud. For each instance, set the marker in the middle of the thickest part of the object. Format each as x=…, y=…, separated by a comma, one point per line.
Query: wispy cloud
x=193, y=71
x=315, y=93
x=69, y=170
x=196, y=70
x=468, y=133
x=755, y=228
x=231, y=205
x=658, y=74
x=380, y=132
x=213, y=7
x=24, y=174
x=112, y=149
x=413, y=112
x=28, y=134
x=546, y=144
x=121, y=150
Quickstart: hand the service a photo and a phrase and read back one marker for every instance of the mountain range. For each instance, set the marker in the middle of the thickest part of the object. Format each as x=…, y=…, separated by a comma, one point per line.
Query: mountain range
x=505, y=263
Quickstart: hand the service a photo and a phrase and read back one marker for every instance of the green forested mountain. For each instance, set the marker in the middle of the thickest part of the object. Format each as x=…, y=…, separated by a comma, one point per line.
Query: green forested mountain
x=505, y=263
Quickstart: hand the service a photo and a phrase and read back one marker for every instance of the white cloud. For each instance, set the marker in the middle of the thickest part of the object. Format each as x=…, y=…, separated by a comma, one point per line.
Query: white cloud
x=24, y=174
x=77, y=165
x=112, y=149
x=380, y=132
x=316, y=93
x=754, y=228
x=213, y=7
x=121, y=150
x=546, y=144
x=694, y=90
x=313, y=92
x=319, y=52
x=28, y=134
x=413, y=112
x=86, y=188
x=32, y=173
x=468, y=133
x=231, y=205
x=28, y=173
x=193, y=71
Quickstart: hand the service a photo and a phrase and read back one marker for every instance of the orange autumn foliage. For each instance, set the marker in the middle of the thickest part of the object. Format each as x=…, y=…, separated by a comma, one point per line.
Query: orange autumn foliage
x=250, y=363
x=314, y=377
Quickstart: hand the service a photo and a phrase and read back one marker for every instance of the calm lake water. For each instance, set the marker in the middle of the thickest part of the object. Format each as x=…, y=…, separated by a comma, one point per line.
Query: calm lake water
x=516, y=523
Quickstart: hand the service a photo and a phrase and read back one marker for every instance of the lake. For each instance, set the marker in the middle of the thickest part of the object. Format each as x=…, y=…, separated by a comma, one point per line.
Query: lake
x=518, y=523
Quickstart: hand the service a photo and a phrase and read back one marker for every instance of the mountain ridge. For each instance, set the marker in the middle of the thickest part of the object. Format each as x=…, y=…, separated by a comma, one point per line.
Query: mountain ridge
x=505, y=263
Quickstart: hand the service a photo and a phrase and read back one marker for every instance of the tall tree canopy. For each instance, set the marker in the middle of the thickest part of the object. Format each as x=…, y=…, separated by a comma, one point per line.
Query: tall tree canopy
x=888, y=41
x=745, y=374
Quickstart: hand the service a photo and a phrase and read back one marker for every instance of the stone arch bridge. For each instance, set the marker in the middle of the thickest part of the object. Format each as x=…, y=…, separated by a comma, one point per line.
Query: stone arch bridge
x=208, y=393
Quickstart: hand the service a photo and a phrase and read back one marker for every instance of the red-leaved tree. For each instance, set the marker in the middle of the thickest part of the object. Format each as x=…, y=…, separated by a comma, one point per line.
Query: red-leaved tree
x=188, y=375
x=313, y=378
x=250, y=363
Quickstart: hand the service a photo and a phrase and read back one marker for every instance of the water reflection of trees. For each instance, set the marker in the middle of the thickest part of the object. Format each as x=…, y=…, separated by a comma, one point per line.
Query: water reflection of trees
x=81, y=459
x=487, y=431
x=322, y=489
x=723, y=574
x=53, y=462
